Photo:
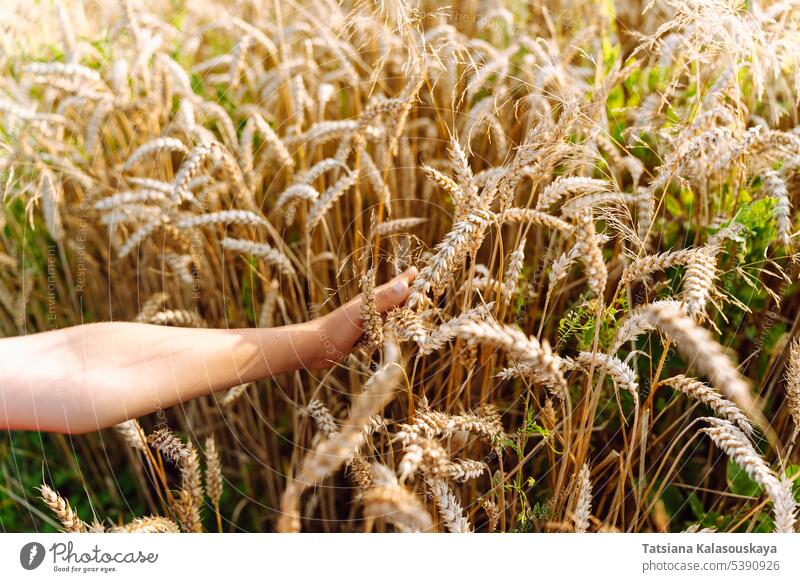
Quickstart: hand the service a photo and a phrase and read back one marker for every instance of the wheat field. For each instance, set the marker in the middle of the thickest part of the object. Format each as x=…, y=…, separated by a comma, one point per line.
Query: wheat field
x=600, y=197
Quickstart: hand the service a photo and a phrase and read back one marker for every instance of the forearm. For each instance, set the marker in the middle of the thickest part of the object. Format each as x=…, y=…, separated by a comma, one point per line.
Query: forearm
x=89, y=377
x=93, y=376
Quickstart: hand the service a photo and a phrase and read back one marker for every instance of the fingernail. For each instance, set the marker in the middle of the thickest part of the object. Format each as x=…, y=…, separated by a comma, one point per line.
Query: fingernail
x=399, y=286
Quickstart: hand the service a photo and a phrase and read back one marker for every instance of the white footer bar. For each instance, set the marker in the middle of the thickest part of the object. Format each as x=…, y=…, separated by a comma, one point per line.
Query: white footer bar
x=395, y=557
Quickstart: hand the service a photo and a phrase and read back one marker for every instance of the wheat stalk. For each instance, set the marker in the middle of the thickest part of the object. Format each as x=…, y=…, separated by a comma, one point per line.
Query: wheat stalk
x=332, y=453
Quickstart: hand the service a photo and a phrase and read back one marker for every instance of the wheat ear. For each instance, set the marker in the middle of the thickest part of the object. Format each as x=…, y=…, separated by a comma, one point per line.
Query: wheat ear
x=793, y=386
x=270, y=255
x=483, y=423
x=372, y=323
x=397, y=225
x=583, y=506
x=526, y=349
x=192, y=489
x=516, y=261
x=701, y=351
x=245, y=217
x=154, y=146
x=132, y=433
x=323, y=418
x=644, y=266
x=188, y=513
x=622, y=374
x=463, y=240
x=736, y=445
x=62, y=510
x=537, y=217
x=562, y=185
x=165, y=442
x=590, y=253
x=152, y=524
x=214, y=482
x=398, y=505
x=708, y=396
x=450, y=509
x=634, y=325
x=699, y=279
x=775, y=186
x=324, y=202
x=234, y=394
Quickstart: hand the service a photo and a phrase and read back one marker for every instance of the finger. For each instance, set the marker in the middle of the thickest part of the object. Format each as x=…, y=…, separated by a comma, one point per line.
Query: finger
x=395, y=292
x=387, y=296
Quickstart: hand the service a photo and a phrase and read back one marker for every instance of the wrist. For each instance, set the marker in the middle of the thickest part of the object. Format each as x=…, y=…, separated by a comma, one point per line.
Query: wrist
x=326, y=350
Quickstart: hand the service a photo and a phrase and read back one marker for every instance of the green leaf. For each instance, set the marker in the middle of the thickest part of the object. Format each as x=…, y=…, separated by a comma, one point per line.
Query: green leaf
x=672, y=205
x=740, y=483
x=790, y=472
x=673, y=501
x=697, y=506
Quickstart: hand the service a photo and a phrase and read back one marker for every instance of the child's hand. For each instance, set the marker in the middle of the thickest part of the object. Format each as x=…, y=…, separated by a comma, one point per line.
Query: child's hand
x=341, y=329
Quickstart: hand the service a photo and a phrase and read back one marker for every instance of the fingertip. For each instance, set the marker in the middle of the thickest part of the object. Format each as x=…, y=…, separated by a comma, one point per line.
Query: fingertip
x=410, y=274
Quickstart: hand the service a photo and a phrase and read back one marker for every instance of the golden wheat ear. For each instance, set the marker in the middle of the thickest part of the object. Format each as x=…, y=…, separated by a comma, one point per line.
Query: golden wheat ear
x=63, y=511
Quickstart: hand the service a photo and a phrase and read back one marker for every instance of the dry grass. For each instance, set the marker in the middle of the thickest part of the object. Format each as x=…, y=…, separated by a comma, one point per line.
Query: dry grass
x=539, y=163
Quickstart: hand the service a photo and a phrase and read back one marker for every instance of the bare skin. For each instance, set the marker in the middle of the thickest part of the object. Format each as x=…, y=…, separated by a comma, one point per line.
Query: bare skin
x=89, y=377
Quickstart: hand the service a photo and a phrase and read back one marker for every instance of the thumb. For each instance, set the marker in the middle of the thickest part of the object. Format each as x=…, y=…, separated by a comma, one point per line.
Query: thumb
x=395, y=292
